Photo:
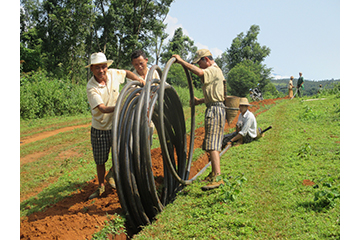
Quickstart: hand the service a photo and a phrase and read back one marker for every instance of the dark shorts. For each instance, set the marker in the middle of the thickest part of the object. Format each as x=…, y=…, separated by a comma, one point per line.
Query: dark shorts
x=101, y=142
x=214, y=127
x=228, y=137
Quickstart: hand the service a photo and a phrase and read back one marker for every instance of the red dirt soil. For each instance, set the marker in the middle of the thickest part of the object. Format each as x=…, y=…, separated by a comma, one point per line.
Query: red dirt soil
x=75, y=217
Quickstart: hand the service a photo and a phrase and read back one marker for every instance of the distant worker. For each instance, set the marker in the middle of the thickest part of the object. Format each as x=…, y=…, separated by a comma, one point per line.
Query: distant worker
x=246, y=126
x=213, y=88
x=102, y=91
x=290, y=87
x=300, y=84
x=320, y=89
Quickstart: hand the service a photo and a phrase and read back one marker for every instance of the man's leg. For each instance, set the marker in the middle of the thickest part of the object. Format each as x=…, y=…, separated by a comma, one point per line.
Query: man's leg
x=215, y=165
x=101, y=148
x=215, y=162
x=101, y=174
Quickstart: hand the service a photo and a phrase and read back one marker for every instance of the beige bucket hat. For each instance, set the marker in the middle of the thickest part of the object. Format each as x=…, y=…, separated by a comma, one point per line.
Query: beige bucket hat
x=244, y=101
x=201, y=53
x=99, y=58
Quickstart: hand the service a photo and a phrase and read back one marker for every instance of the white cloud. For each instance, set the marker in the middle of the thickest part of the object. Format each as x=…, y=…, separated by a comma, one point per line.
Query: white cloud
x=173, y=24
x=216, y=52
x=201, y=46
x=278, y=76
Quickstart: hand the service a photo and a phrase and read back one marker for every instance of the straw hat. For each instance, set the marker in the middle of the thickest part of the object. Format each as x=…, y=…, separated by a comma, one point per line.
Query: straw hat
x=99, y=58
x=201, y=53
x=245, y=102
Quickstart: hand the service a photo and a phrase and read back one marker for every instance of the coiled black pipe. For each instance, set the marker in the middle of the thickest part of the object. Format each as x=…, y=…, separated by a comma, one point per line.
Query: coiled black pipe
x=135, y=109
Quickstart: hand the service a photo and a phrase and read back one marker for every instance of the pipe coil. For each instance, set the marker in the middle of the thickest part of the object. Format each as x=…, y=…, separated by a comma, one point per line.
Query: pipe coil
x=136, y=108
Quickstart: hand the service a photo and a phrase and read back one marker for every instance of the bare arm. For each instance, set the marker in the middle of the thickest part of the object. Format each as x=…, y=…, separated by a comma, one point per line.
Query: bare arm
x=104, y=109
x=133, y=76
x=194, y=69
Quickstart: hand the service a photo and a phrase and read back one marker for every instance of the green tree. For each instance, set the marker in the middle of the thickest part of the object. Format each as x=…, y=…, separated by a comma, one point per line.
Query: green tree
x=245, y=47
x=248, y=74
x=158, y=37
x=182, y=45
x=179, y=44
x=176, y=76
x=64, y=33
x=127, y=25
x=30, y=43
x=63, y=26
x=245, y=55
x=240, y=79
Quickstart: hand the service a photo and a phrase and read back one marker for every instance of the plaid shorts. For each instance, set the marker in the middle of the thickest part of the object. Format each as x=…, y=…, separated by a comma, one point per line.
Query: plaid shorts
x=101, y=142
x=214, y=126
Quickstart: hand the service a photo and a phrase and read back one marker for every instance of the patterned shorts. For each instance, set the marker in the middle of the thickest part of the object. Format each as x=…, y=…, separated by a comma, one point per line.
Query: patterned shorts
x=214, y=127
x=101, y=141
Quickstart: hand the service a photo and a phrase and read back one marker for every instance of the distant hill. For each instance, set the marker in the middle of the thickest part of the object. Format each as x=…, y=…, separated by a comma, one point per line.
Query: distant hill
x=310, y=86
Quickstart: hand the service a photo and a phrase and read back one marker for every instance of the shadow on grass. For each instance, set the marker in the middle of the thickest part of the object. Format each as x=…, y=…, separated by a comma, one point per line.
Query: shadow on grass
x=318, y=206
x=59, y=199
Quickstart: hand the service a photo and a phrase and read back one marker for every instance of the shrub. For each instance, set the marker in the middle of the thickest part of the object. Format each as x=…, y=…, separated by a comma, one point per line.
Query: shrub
x=41, y=96
x=184, y=94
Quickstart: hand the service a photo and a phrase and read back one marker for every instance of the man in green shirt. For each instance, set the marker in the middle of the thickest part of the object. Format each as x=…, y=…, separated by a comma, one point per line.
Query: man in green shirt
x=300, y=83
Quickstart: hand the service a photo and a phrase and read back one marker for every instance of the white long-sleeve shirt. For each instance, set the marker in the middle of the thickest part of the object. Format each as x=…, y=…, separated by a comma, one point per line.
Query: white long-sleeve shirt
x=247, y=124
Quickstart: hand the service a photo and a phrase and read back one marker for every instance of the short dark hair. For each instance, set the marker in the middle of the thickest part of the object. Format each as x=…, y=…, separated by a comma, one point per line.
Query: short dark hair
x=138, y=53
x=209, y=57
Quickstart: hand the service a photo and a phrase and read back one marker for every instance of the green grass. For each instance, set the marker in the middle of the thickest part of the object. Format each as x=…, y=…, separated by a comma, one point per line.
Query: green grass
x=57, y=175
x=272, y=202
x=33, y=126
x=263, y=198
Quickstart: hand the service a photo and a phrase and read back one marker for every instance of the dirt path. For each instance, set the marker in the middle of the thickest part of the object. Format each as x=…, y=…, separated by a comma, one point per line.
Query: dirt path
x=75, y=217
x=43, y=135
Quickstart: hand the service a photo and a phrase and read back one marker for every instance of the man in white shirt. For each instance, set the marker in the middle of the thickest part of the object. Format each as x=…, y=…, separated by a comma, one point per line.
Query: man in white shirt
x=102, y=92
x=246, y=126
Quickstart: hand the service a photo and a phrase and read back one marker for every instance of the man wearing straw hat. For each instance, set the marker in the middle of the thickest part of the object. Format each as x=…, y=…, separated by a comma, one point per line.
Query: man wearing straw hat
x=246, y=126
x=213, y=88
x=102, y=91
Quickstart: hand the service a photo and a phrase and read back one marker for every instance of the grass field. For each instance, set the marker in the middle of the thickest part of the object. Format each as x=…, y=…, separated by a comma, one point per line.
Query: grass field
x=284, y=186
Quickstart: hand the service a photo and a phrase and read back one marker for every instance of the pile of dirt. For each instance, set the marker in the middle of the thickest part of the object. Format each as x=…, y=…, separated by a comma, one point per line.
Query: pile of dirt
x=76, y=217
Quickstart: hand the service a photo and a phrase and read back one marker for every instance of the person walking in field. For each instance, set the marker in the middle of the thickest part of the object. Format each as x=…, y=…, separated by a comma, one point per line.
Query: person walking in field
x=102, y=92
x=300, y=84
x=246, y=126
x=290, y=87
x=213, y=88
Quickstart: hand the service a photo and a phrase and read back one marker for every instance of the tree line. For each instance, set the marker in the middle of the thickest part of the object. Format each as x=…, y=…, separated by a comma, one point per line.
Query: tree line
x=59, y=35
x=57, y=38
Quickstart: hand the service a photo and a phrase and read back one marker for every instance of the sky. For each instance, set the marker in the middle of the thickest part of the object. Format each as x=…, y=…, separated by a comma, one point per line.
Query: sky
x=304, y=36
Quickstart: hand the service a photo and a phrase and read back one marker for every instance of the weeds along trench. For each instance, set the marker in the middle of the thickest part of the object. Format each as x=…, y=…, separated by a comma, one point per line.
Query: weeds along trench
x=137, y=111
